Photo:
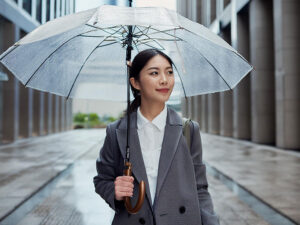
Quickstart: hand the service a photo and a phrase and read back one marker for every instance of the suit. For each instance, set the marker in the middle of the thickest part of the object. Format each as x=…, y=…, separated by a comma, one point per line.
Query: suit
x=181, y=195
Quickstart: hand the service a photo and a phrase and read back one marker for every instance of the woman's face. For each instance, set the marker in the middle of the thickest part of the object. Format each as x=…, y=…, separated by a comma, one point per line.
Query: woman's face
x=156, y=80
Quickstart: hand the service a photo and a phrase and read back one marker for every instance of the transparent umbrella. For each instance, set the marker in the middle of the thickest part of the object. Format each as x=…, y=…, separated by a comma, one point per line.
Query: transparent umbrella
x=84, y=55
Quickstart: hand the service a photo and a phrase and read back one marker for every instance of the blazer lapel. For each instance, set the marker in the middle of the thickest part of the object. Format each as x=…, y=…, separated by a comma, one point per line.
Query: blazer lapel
x=173, y=131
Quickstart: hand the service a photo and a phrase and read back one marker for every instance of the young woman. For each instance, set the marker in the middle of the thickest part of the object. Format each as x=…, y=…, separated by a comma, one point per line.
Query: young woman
x=174, y=174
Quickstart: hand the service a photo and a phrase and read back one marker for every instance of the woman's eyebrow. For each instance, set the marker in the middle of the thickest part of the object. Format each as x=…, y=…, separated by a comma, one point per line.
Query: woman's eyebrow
x=169, y=67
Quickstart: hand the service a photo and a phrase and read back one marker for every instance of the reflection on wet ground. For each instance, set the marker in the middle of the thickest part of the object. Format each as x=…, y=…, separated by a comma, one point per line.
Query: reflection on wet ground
x=59, y=170
x=73, y=201
x=28, y=166
x=269, y=173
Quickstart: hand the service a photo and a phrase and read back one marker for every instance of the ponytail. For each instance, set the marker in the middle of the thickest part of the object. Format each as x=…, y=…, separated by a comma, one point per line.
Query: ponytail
x=135, y=104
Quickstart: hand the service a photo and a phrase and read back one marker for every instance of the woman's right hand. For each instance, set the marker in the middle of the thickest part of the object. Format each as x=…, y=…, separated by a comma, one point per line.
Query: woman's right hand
x=123, y=187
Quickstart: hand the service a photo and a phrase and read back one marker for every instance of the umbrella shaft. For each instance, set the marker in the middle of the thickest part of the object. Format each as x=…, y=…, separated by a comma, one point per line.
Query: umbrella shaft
x=128, y=58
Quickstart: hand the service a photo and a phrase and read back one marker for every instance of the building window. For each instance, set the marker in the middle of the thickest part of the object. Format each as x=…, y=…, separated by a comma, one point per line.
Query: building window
x=48, y=10
x=55, y=9
x=27, y=5
x=39, y=10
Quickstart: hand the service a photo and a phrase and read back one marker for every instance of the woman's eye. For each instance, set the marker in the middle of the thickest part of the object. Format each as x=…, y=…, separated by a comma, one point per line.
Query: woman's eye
x=170, y=72
x=154, y=73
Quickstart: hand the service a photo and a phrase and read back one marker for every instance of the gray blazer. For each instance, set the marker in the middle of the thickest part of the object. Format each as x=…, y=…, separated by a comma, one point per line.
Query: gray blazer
x=181, y=195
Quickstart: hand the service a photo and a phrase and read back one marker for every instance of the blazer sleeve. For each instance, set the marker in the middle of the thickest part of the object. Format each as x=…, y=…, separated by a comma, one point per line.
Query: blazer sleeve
x=106, y=173
x=209, y=217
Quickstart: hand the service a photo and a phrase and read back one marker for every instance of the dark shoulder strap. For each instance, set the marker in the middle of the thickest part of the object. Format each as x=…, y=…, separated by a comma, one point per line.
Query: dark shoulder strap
x=186, y=130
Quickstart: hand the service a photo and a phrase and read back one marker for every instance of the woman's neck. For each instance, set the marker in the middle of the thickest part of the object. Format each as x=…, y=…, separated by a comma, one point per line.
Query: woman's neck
x=151, y=110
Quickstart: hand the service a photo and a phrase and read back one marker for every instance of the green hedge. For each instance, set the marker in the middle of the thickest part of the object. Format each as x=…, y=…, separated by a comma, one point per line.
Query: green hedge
x=92, y=120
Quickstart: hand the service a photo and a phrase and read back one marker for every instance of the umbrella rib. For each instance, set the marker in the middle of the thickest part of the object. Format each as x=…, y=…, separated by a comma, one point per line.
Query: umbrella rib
x=13, y=48
x=51, y=55
x=165, y=32
x=180, y=81
x=153, y=41
x=142, y=32
x=134, y=42
x=83, y=66
x=99, y=46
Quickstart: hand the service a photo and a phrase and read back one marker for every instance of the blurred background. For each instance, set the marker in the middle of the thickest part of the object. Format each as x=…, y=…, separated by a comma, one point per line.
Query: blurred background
x=259, y=119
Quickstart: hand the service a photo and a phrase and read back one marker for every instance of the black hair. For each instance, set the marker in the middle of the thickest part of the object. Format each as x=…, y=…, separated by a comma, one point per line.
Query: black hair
x=138, y=63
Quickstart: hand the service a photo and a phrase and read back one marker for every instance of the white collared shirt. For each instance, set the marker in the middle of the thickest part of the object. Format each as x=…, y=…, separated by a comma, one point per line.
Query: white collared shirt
x=151, y=136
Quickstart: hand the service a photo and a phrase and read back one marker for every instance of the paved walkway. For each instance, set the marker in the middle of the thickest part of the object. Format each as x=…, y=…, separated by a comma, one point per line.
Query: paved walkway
x=74, y=202
x=27, y=168
x=269, y=173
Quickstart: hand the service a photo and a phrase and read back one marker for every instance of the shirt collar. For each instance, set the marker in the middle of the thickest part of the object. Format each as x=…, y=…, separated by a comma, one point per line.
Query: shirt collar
x=159, y=121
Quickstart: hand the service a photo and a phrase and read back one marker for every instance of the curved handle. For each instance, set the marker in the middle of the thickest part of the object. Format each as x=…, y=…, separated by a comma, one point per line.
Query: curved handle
x=130, y=209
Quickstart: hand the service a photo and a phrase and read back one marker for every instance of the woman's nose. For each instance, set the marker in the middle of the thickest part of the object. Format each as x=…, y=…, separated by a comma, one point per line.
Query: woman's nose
x=163, y=79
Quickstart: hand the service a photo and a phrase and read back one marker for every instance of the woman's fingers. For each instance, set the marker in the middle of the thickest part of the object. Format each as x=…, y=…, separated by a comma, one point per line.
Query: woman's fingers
x=123, y=187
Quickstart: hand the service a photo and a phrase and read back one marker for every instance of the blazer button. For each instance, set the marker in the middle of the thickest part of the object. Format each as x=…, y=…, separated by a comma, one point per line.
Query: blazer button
x=182, y=209
x=142, y=221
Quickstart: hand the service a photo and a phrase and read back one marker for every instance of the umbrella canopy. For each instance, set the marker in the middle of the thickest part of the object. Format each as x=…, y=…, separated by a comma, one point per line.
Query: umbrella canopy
x=83, y=55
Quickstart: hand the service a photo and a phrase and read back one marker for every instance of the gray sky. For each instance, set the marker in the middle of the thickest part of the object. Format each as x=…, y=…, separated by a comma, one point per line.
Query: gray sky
x=88, y=4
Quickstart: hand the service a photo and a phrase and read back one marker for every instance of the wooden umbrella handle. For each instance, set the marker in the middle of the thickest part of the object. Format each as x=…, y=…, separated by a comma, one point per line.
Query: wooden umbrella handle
x=130, y=209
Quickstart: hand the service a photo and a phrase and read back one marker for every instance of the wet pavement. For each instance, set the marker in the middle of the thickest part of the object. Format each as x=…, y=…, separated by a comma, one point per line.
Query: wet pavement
x=73, y=201
x=268, y=173
x=48, y=180
x=26, y=167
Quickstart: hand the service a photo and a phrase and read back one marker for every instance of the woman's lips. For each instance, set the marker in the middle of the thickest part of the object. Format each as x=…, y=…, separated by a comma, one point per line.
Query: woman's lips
x=163, y=90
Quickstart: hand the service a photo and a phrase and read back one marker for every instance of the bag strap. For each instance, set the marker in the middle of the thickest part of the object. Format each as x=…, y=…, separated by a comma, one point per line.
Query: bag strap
x=186, y=130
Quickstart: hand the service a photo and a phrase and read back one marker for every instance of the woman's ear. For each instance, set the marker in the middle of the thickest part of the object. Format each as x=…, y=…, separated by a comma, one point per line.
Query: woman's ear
x=134, y=83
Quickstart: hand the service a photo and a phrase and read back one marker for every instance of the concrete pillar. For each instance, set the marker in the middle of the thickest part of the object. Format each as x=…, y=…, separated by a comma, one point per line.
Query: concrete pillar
x=226, y=105
x=241, y=93
x=49, y=113
x=70, y=113
x=213, y=10
x=214, y=113
x=57, y=113
x=62, y=113
x=9, y=34
x=53, y=119
x=199, y=16
x=46, y=114
x=191, y=107
x=262, y=78
x=204, y=113
x=42, y=113
x=36, y=113
x=58, y=10
x=194, y=108
x=205, y=12
x=24, y=115
x=199, y=109
x=226, y=3
x=287, y=73
x=63, y=8
x=219, y=7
